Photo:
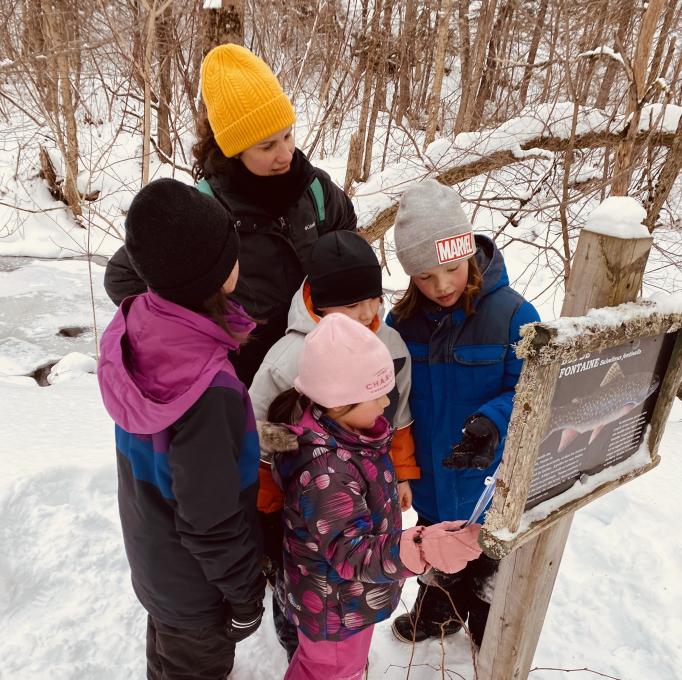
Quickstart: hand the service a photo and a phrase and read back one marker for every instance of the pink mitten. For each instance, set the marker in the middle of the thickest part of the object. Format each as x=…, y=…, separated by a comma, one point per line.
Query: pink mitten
x=410, y=554
x=448, y=547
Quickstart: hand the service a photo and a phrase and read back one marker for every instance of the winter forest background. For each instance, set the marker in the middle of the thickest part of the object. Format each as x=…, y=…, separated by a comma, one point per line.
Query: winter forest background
x=534, y=110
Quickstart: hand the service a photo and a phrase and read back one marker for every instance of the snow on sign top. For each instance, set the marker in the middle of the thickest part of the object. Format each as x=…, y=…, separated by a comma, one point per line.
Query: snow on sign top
x=619, y=216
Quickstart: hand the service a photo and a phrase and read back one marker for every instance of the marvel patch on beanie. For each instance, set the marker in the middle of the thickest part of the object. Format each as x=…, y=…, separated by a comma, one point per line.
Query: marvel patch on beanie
x=182, y=243
x=431, y=228
x=343, y=269
x=343, y=363
x=244, y=100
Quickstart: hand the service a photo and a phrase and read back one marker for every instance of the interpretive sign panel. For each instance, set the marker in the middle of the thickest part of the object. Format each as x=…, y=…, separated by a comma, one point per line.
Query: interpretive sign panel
x=602, y=404
x=591, y=387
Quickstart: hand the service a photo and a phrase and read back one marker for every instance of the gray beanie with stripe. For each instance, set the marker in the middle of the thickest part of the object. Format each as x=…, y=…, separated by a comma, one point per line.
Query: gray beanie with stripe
x=431, y=228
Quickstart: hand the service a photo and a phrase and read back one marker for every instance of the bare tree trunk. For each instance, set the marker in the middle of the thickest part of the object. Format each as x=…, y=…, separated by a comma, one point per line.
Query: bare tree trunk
x=225, y=25
x=669, y=173
x=568, y=161
x=655, y=70
x=55, y=26
x=165, y=50
x=380, y=86
x=623, y=167
x=369, y=78
x=190, y=68
x=34, y=42
x=669, y=58
x=558, y=9
x=354, y=161
x=439, y=65
x=464, y=42
x=594, y=39
x=408, y=37
x=150, y=38
x=504, y=77
x=466, y=106
x=137, y=30
x=426, y=44
x=32, y=38
x=627, y=8
x=489, y=74
x=71, y=156
x=532, y=52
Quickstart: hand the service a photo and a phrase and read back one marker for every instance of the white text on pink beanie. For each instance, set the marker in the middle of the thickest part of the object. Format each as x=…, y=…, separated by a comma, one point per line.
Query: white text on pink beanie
x=343, y=363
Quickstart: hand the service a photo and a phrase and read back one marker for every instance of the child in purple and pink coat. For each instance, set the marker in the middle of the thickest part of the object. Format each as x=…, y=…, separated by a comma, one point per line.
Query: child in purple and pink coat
x=186, y=442
x=345, y=553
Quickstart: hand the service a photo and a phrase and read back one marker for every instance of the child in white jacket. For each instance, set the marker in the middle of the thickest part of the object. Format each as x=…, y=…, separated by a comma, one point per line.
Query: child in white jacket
x=344, y=276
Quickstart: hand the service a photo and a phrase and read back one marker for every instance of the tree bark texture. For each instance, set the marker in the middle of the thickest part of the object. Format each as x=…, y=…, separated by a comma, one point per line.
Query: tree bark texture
x=224, y=25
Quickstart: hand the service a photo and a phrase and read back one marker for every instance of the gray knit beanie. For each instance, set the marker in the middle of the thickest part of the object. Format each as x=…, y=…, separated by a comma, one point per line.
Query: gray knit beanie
x=431, y=228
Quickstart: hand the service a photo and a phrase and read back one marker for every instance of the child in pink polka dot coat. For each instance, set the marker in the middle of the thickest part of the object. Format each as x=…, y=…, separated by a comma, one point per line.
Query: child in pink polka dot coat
x=345, y=553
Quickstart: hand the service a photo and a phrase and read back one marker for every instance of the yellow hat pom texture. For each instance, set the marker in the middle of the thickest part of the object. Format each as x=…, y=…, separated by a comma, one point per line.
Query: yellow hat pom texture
x=244, y=100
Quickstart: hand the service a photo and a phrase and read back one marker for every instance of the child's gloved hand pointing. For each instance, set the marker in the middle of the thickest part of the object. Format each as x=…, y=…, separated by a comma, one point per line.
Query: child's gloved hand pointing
x=477, y=448
x=448, y=547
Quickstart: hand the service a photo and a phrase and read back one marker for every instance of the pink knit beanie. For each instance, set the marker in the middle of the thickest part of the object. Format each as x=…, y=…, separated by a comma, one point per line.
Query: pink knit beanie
x=343, y=363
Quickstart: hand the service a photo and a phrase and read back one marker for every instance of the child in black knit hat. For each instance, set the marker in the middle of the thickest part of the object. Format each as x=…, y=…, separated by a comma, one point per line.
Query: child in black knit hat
x=186, y=442
x=344, y=276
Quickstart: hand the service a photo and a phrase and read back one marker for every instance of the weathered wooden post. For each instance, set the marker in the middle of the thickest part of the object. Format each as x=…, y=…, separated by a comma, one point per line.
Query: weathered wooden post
x=607, y=270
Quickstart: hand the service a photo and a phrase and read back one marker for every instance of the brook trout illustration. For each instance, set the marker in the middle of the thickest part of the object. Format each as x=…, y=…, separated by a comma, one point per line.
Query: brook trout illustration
x=615, y=397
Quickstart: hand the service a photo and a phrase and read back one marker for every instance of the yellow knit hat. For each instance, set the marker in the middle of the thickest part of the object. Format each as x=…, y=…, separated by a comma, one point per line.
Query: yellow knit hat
x=244, y=100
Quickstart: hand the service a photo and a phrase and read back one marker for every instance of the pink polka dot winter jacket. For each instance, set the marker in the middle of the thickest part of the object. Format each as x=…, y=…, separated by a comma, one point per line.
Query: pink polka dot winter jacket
x=342, y=528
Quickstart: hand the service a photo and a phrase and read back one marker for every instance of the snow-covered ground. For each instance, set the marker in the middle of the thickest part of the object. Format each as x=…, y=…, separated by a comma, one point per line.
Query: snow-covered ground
x=67, y=610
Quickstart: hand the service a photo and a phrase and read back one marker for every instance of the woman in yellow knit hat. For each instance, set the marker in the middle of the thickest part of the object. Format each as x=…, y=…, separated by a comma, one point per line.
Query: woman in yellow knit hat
x=246, y=157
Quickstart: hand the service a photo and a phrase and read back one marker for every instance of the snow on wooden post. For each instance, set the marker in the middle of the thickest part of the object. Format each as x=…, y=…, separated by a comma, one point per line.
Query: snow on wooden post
x=608, y=268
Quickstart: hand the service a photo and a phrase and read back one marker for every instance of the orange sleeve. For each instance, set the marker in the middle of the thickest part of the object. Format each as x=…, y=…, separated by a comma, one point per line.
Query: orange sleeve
x=402, y=454
x=270, y=496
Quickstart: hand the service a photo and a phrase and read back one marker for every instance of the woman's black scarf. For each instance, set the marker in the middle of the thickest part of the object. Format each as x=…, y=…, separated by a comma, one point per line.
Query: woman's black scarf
x=275, y=193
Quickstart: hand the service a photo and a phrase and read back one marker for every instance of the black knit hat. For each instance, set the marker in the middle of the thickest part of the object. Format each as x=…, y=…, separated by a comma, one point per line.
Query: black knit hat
x=182, y=243
x=343, y=269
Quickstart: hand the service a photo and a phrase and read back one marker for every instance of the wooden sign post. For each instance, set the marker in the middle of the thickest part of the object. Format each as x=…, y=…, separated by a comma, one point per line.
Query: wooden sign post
x=606, y=271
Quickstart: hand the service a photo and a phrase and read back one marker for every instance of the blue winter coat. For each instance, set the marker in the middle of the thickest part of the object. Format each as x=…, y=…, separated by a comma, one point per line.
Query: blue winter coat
x=460, y=366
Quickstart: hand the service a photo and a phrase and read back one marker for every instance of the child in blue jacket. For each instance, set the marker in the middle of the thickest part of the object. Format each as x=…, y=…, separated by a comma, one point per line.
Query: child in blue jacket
x=460, y=319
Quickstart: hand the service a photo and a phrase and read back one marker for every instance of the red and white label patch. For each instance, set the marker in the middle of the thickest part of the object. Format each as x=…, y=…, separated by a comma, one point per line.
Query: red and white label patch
x=455, y=247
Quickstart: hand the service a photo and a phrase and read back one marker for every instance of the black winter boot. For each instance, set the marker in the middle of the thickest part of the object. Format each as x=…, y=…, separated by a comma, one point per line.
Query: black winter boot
x=478, y=617
x=431, y=615
x=483, y=576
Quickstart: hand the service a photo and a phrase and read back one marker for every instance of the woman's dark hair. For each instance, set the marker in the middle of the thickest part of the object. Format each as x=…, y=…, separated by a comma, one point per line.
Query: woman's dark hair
x=206, y=150
x=288, y=407
x=412, y=299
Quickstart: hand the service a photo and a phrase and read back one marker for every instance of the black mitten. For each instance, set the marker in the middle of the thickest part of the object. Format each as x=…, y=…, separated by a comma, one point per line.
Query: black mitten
x=245, y=620
x=477, y=448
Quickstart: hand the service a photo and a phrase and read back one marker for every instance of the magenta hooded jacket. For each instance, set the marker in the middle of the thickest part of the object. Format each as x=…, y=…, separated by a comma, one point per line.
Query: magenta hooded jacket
x=187, y=455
